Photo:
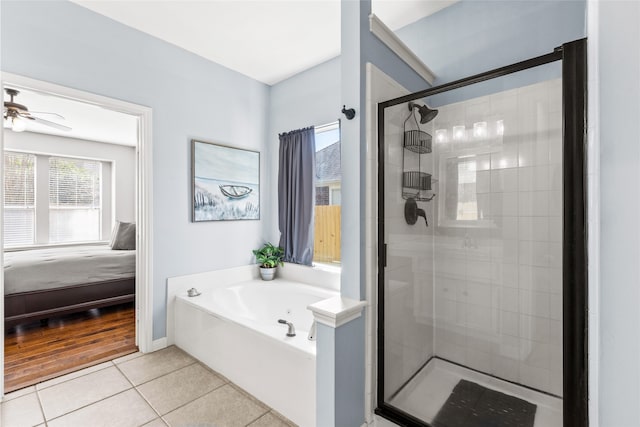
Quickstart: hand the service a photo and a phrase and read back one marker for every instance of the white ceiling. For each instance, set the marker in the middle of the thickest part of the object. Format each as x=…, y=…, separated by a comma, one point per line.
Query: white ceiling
x=268, y=40
x=87, y=121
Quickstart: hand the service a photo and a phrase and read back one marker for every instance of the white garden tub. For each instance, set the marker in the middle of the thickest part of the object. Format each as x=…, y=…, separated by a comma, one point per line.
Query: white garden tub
x=234, y=329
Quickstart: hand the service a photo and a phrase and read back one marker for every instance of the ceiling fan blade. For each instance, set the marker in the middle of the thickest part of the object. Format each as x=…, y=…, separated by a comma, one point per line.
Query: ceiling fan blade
x=45, y=112
x=51, y=124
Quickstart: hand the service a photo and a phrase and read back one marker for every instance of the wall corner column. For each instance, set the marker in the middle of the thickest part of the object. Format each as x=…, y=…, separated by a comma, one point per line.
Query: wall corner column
x=339, y=369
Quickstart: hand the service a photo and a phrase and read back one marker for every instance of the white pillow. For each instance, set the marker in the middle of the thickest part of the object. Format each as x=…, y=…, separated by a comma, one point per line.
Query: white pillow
x=123, y=236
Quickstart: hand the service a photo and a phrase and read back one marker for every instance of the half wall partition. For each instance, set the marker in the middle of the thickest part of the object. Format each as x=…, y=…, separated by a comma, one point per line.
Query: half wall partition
x=482, y=304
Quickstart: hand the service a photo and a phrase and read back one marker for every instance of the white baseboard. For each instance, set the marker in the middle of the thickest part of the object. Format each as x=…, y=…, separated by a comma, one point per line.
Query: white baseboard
x=159, y=344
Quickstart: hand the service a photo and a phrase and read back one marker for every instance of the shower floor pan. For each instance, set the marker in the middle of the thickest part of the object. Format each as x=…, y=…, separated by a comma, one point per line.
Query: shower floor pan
x=428, y=391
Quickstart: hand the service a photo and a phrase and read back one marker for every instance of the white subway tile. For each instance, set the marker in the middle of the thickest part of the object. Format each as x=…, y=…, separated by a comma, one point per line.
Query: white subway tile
x=509, y=323
x=534, y=354
x=509, y=347
x=555, y=332
x=483, y=162
x=479, y=271
x=507, y=157
x=555, y=229
x=525, y=179
x=479, y=360
x=534, y=328
x=479, y=317
x=555, y=177
x=555, y=148
x=555, y=255
x=526, y=156
x=510, y=204
x=506, y=227
x=537, y=378
x=483, y=182
x=479, y=293
x=540, y=254
x=555, y=358
x=504, y=367
x=555, y=280
x=540, y=203
x=509, y=299
x=555, y=306
x=540, y=178
x=525, y=252
x=541, y=150
x=555, y=203
x=534, y=303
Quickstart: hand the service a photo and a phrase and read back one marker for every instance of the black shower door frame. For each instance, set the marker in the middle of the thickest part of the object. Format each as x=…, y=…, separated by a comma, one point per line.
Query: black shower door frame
x=574, y=249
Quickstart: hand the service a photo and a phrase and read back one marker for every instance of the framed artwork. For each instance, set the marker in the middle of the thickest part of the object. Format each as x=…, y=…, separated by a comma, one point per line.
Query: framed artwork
x=225, y=182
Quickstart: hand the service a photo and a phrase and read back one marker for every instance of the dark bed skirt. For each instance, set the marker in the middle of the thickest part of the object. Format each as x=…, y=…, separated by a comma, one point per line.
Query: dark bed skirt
x=30, y=306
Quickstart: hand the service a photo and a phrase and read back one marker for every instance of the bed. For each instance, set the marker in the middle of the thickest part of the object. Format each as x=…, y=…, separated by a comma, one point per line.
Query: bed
x=41, y=283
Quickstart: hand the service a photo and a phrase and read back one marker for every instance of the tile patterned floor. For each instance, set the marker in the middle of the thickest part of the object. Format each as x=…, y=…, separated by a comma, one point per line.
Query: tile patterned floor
x=165, y=388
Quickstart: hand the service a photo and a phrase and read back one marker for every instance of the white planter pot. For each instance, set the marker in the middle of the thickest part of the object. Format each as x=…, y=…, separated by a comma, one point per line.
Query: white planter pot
x=267, y=273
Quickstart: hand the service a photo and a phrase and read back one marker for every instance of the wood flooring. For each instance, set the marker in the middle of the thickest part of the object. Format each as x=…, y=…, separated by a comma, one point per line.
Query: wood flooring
x=40, y=351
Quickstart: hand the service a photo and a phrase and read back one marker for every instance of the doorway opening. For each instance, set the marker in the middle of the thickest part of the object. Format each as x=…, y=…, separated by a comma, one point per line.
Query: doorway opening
x=75, y=219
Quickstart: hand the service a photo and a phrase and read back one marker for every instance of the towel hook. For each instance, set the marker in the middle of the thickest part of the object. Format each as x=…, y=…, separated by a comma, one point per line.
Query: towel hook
x=350, y=113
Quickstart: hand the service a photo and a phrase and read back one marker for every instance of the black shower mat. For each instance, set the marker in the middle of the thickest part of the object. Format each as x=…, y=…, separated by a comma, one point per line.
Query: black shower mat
x=471, y=405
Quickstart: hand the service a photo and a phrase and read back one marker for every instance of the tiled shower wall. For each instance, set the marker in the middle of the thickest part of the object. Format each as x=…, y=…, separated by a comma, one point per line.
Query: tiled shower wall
x=498, y=279
x=409, y=294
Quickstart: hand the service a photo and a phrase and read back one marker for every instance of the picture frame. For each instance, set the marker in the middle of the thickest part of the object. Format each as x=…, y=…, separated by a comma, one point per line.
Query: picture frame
x=225, y=182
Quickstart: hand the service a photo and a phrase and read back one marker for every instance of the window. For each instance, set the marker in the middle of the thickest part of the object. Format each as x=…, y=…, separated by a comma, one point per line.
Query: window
x=328, y=184
x=73, y=188
x=19, y=198
x=74, y=200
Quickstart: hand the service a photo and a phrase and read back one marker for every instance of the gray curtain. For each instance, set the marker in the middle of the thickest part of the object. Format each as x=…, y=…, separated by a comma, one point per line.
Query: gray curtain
x=296, y=194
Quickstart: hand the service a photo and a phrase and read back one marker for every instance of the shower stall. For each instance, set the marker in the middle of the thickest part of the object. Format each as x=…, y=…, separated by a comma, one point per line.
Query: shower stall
x=482, y=249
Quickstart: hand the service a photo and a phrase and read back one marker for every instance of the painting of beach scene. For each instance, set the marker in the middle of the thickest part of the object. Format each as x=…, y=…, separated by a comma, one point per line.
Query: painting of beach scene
x=226, y=182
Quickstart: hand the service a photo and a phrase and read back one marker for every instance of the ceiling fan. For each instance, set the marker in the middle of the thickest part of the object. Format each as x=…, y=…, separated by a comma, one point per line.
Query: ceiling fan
x=16, y=115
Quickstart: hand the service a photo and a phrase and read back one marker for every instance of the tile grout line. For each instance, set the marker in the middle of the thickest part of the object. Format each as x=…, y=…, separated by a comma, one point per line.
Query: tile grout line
x=92, y=403
x=87, y=405
x=259, y=417
x=74, y=378
x=44, y=417
x=133, y=386
x=192, y=400
x=163, y=375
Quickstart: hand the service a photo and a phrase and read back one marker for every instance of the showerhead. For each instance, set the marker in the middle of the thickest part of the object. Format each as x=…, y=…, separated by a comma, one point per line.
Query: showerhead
x=426, y=113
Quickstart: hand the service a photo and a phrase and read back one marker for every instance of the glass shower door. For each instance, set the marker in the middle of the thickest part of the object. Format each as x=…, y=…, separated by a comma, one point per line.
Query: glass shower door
x=472, y=291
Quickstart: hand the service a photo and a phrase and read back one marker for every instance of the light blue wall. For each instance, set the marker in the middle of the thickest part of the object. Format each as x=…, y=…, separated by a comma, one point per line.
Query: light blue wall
x=619, y=107
x=325, y=374
x=341, y=380
x=307, y=99
x=473, y=36
x=359, y=47
x=60, y=42
x=349, y=374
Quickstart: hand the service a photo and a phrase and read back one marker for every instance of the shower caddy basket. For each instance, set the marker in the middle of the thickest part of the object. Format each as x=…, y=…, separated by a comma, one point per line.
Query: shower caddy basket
x=416, y=142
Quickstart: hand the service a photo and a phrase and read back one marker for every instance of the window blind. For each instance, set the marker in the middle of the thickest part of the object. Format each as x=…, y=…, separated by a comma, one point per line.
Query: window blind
x=75, y=210
x=19, y=198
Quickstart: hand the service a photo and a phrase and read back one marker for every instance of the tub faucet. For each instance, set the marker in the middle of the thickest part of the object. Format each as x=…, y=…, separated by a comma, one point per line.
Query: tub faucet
x=312, y=332
x=292, y=331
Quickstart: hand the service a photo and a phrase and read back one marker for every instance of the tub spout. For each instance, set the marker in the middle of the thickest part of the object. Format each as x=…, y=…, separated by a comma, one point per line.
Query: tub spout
x=292, y=331
x=312, y=332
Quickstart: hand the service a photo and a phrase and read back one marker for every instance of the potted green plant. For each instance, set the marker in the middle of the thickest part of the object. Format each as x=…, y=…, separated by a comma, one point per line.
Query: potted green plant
x=269, y=257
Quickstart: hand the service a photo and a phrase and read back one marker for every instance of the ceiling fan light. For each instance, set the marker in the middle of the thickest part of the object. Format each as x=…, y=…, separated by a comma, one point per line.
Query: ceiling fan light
x=19, y=125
